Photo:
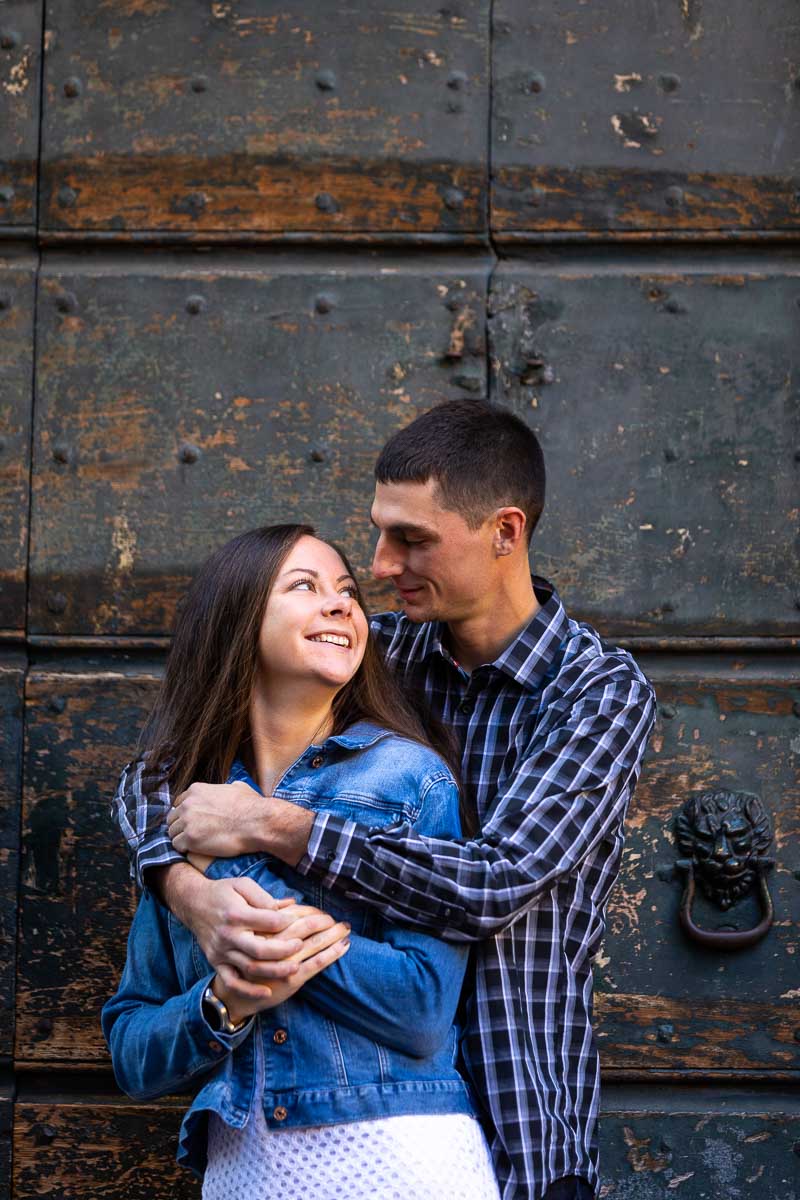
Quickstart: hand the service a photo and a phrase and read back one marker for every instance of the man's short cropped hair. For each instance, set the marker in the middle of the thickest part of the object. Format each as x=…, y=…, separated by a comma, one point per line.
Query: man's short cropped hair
x=480, y=456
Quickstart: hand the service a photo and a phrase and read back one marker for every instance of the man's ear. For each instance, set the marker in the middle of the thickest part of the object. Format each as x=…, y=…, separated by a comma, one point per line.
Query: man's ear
x=509, y=530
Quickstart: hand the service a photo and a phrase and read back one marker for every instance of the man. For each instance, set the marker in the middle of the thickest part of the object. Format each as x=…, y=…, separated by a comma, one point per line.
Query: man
x=552, y=728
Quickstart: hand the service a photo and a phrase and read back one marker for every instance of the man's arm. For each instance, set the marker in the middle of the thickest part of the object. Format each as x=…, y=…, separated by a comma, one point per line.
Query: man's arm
x=566, y=798
x=237, y=923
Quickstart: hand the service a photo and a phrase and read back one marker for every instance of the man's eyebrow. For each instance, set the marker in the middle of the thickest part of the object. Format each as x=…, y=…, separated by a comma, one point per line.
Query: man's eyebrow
x=401, y=527
x=311, y=571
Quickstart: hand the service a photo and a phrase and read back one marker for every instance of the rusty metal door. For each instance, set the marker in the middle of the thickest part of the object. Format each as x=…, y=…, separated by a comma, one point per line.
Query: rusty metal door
x=241, y=244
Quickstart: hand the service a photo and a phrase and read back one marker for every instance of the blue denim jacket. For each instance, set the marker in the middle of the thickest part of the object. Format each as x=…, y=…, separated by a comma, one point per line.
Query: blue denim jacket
x=371, y=1036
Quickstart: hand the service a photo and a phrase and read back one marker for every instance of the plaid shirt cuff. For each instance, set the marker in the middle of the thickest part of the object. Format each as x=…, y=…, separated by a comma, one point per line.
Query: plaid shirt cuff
x=334, y=849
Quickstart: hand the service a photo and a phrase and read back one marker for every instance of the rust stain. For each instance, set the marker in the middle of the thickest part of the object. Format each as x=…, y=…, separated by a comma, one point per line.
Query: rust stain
x=18, y=77
x=640, y=1156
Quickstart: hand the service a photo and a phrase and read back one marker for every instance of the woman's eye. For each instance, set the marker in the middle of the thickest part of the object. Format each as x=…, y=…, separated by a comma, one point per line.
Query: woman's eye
x=303, y=583
x=350, y=591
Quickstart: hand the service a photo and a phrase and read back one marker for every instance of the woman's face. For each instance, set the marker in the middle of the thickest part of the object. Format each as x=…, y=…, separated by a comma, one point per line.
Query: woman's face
x=313, y=627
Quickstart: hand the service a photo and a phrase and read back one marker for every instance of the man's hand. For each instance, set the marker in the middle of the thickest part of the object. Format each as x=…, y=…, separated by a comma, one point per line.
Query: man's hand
x=219, y=820
x=240, y=926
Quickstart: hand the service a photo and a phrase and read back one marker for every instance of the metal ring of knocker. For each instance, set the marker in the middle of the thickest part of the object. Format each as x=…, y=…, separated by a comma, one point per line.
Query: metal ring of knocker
x=720, y=939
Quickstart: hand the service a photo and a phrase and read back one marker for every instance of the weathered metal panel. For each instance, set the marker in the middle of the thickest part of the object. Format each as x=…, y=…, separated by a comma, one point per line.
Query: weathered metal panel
x=181, y=401
x=662, y=1001
x=89, y=1150
x=20, y=61
x=664, y=389
x=718, y=1148
x=700, y=1148
x=17, y=274
x=611, y=116
x=12, y=675
x=6, y=1128
x=76, y=896
x=250, y=116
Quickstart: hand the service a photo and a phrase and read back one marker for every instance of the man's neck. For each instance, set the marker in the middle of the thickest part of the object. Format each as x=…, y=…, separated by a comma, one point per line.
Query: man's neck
x=482, y=637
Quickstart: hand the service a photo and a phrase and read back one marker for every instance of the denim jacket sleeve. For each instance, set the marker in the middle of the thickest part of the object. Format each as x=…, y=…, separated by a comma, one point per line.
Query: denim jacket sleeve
x=403, y=990
x=155, y=1029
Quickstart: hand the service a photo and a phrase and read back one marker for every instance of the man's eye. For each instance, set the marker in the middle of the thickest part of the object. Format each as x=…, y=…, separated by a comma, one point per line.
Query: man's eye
x=414, y=541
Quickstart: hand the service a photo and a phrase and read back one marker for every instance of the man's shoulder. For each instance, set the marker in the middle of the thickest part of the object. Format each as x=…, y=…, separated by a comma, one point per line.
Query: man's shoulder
x=395, y=632
x=587, y=662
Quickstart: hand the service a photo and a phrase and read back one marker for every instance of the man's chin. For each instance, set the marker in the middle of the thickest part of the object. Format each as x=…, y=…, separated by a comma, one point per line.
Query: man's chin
x=417, y=609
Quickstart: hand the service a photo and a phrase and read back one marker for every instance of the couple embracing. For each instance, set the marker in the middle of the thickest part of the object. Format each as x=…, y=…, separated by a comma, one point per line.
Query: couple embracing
x=376, y=853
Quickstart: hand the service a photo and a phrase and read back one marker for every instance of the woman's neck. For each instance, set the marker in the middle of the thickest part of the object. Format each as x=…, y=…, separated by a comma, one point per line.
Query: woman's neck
x=282, y=727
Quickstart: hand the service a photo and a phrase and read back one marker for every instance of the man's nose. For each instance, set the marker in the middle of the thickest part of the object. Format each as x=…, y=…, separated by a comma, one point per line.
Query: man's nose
x=386, y=563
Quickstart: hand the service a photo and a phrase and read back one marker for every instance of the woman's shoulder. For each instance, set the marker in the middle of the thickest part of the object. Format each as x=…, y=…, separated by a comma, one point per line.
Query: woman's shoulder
x=373, y=748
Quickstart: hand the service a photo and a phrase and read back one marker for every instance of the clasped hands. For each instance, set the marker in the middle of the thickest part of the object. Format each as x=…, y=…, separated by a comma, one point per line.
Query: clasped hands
x=263, y=949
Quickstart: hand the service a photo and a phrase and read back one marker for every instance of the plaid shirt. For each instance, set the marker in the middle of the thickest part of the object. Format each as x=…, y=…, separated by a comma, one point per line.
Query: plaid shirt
x=553, y=733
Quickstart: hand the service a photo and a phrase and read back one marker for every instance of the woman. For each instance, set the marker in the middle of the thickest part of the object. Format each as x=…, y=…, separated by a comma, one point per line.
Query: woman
x=345, y=1086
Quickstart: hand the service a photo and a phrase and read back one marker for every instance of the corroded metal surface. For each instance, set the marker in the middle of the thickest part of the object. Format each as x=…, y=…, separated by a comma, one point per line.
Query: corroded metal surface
x=6, y=1131
x=183, y=400
x=17, y=270
x=99, y=1150
x=20, y=60
x=664, y=392
x=248, y=116
x=662, y=1001
x=76, y=896
x=12, y=667
x=683, y=117
x=713, y=1151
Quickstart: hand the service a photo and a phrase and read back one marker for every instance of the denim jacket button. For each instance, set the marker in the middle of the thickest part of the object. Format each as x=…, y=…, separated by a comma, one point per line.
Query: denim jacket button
x=279, y=1036
x=215, y=1046
x=317, y=760
x=280, y=1113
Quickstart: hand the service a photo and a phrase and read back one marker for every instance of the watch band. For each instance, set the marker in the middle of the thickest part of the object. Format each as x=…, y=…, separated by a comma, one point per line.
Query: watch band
x=222, y=1018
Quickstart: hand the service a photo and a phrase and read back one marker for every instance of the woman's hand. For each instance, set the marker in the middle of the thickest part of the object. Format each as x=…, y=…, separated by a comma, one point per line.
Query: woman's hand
x=318, y=951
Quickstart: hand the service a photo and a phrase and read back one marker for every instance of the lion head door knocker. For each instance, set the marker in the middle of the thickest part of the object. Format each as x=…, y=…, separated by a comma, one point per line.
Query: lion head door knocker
x=723, y=836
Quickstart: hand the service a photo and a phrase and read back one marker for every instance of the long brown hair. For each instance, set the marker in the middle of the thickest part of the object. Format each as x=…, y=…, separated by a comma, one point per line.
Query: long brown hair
x=201, y=715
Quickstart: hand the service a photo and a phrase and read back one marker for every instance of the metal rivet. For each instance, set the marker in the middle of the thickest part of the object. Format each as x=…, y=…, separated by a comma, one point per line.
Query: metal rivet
x=56, y=602
x=673, y=197
x=5, y=301
x=457, y=80
x=669, y=711
x=455, y=106
x=9, y=38
x=469, y=382
x=454, y=303
x=674, y=306
x=61, y=453
x=199, y=84
x=670, y=454
x=667, y=607
x=44, y=1026
x=194, y=204
x=67, y=302
x=317, y=456
x=195, y=305
x=189, y=453
x=453, y=198
x=326, y=203
x=325, y=81
x=73, y=87
x=324, y=302
x=669, y=83
x=535, y=196
x=664, y=1033
x=67, y=197
x=57, y=704
x=6, y=195
x=535, y=83
x=45, y=1134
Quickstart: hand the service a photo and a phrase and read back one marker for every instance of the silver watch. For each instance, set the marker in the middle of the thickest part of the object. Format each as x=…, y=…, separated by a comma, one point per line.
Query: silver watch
x=221, y=1021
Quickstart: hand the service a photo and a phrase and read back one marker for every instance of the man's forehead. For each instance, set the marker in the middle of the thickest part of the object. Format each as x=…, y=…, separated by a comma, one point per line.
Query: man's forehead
x=407, y=505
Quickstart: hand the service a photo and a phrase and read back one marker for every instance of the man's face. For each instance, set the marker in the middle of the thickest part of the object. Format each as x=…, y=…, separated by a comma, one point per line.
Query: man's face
x=442, y=569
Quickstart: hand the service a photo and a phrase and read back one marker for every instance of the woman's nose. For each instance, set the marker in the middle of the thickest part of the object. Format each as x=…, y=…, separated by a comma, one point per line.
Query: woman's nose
x=337, y=604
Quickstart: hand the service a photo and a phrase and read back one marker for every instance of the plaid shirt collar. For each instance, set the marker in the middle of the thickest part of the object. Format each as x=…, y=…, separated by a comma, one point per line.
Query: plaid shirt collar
x=528, y=657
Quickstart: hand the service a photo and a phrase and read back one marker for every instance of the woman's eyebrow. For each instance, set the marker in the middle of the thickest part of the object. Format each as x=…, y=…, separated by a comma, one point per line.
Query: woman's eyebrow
x=311, y=571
